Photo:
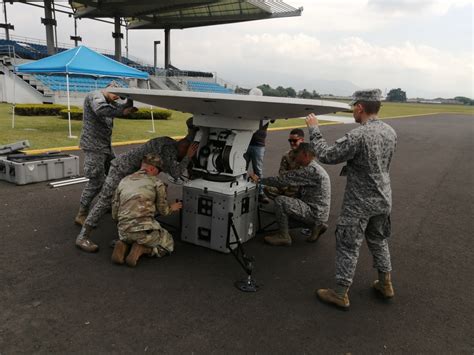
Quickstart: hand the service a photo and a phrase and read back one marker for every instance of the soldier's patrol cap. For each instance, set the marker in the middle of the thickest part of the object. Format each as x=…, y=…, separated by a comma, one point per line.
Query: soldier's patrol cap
x=369, y=95
x=152, y=159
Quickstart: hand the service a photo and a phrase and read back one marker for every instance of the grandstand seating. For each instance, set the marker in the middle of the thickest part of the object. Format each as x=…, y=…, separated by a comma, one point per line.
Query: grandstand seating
x=57, y=82
x=35, y=51
x=202, y=86
x=77, y=83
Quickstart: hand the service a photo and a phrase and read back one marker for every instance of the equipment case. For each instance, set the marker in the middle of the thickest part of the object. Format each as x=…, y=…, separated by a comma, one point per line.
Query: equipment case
x=210, y=209
x=30, y=171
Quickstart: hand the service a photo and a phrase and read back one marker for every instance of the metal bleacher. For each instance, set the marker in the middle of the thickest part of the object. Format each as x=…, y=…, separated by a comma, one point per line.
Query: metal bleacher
x=203, y=86
x=77, y=83
x=169, y=79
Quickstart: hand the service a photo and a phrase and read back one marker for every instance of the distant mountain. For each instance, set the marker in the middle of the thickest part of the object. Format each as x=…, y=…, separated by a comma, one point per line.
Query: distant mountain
x=322, y=86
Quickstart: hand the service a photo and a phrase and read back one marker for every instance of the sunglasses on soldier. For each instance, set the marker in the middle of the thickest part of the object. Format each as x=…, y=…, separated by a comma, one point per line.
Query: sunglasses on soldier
x=293, y=141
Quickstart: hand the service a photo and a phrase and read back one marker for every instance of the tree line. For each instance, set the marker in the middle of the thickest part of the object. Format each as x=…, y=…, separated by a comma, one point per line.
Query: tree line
x=394, y=95
x=280, y=91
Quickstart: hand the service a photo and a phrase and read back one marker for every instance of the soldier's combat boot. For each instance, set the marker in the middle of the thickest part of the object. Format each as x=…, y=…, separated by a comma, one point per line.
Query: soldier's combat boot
x=384, y=285
x=317, y=232
x=120, y=250
x=83, y=242
x=279, y=239
x=81, y=216
x=137, y=251
x=338, y=299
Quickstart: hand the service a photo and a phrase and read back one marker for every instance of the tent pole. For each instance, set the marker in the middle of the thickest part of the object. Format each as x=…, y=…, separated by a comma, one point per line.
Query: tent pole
x=151, y=113
x=14, y=88
x=68, y=107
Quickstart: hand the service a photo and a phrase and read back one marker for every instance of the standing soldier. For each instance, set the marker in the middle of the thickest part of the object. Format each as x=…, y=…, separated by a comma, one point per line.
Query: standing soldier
x=137, y=199
x=175, y=157
x=310, y=205
x=367, y=204
x=100, y=108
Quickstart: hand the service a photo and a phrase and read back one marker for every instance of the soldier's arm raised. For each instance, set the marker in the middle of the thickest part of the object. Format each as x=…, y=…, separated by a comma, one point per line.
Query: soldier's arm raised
x=344, y=149
x=104, y=109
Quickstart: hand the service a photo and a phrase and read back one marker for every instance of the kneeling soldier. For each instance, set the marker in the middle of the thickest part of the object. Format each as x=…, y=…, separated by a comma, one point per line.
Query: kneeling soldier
x=137, y=199
x=312, y=202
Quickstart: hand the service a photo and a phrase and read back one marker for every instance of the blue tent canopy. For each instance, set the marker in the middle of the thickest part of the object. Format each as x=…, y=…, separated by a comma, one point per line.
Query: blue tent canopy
x=82, y=61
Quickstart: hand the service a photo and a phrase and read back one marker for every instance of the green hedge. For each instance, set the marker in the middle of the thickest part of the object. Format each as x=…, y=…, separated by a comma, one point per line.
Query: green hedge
x=39, y=109
x=141, y=114
x=144, y=114
x=76, y=114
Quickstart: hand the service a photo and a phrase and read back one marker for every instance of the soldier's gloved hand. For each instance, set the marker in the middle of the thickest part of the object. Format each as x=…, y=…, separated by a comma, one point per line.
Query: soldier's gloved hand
x=128, y=103
x=129, y=110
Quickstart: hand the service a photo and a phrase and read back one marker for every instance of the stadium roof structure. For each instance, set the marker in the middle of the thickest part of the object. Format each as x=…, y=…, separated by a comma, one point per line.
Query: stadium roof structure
x=180, y=14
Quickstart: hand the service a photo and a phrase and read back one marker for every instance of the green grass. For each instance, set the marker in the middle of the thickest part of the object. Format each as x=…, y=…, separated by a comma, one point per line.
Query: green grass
x=392, y=109
x=51, y=131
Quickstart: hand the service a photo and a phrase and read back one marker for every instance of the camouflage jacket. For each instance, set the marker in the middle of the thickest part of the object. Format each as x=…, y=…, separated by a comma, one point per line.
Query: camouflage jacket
x=314, y=187
x=98, y=122
x=368, y=151
x=288, y=162
x=137, y=200
x=165, y=147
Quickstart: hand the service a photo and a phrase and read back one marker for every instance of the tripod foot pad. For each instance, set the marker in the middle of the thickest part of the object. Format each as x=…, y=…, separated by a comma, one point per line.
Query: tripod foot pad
x=247, y=285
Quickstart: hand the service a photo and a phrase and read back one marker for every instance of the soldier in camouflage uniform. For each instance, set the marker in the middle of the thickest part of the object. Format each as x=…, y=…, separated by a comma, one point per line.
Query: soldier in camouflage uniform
x=137, y=199
x=175, y=157
x=311, y=206
x=287, y=163
x=367, y=151
x=100, y=108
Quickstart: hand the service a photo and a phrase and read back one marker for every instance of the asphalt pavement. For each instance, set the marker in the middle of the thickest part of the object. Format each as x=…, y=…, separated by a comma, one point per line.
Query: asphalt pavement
x=56, y=298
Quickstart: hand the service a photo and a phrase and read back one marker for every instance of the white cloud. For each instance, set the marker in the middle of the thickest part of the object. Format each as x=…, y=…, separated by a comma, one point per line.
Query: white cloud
x=407, y=65
x=333, y=40
x=415, y=7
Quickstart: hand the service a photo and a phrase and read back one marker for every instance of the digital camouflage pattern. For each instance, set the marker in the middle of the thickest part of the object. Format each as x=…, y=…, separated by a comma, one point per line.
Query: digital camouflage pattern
x=96, y=167
x=165, y=147
x=287, y=163
x=371, y=95
x=98, y=122
x=313, y=200
x=349, y=237
x=368, y=151
x=138, y=198
x=128, y=163
x=96, y=142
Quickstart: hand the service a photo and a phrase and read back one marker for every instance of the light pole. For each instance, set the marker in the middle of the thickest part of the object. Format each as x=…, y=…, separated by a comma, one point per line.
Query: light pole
x=75, y=38
x=155, y=43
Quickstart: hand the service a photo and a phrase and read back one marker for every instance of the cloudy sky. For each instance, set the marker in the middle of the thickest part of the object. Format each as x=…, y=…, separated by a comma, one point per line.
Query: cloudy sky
x=424, y=47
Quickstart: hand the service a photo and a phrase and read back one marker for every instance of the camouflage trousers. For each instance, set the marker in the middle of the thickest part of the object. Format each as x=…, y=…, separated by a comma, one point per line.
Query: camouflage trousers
x=96, y=167
x=350, y=234
x=160, y=240
x=104, y=201
x=290, y=207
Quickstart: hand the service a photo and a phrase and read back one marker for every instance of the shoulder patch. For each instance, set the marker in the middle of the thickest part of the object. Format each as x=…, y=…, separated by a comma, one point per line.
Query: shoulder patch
x=341, y=140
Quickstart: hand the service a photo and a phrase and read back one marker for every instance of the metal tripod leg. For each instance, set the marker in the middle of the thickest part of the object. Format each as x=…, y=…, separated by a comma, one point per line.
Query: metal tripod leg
x=247, y=284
